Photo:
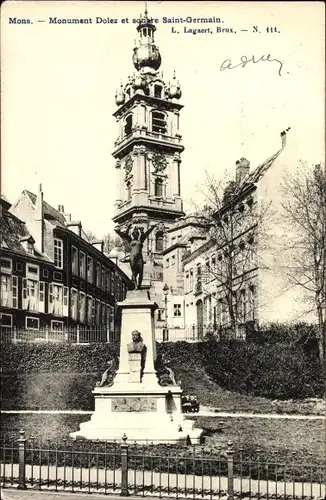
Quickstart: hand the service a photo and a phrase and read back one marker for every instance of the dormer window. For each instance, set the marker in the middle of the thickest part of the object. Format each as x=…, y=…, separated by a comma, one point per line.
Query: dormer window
x=158, y=91
x=30, y=247
x=159, y=122
x=128, y=125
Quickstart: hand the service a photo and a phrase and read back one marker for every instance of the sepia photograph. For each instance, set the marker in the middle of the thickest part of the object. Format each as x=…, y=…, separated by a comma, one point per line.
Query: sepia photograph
x=163, y=249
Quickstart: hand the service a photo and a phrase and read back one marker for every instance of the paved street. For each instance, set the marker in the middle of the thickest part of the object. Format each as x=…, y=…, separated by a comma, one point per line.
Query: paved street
x=163, y=481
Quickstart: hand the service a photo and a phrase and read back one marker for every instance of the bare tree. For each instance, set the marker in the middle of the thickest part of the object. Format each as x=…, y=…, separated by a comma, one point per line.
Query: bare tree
x=112, y=241
x=304, y=208
x=237, y=224
x=90, y=236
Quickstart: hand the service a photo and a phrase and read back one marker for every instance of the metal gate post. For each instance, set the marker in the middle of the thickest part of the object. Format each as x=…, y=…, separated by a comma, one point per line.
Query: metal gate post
x=230, y=455
x=124, y=467
x=21, y=456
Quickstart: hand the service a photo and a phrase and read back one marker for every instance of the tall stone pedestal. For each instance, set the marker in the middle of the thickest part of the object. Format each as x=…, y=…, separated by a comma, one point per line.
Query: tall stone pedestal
x=136, y=404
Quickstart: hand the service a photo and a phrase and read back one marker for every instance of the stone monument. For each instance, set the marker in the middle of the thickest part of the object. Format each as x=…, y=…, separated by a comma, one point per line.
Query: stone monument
x=134, y=402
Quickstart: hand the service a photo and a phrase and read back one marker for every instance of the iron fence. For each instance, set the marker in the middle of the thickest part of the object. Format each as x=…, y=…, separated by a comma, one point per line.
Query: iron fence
x=74, y=334
x=197, y=333
x=160, y=470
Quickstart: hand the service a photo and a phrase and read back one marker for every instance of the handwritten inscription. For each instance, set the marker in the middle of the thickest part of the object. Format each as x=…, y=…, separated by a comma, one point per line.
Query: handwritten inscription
x=227, y=64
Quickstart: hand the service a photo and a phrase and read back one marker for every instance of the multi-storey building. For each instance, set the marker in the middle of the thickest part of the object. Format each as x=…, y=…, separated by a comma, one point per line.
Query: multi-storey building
x=225, y=275
x=58, y=279
x=147, y=152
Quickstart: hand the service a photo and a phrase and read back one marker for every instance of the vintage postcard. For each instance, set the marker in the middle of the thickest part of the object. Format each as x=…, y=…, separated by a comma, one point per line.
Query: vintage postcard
x=163, y=233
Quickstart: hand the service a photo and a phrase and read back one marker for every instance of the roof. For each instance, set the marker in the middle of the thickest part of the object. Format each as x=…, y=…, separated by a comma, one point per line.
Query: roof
x=188, y=220
x=13, y=233
x=49, y=212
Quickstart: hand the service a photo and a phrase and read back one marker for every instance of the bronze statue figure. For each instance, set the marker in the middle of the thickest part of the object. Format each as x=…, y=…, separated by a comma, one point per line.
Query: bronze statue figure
x=136, y=240
x=109, y=374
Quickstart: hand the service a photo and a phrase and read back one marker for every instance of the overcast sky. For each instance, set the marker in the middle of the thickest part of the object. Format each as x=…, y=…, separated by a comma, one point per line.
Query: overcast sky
x=59, y=82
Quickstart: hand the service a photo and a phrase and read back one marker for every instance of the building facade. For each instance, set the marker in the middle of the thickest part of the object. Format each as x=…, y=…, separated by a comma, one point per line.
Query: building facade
x=226, y=269
x=147, y=152
x=58, y=279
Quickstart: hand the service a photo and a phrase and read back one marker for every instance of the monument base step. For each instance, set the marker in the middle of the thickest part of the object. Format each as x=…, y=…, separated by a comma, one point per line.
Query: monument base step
x=164, y=434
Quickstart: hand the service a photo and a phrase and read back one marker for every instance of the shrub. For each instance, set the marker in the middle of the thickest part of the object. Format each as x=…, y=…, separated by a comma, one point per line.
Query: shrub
x=276, y=371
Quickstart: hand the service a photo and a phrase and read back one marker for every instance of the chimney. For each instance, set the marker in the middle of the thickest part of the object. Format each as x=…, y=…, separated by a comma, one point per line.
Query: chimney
x=242, y=169
x=99, y=244
x=61, y=209
x=38, y=220
x=283, y=137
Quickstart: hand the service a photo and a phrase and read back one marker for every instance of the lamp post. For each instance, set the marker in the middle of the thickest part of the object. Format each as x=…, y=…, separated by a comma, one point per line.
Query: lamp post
x=165, y=330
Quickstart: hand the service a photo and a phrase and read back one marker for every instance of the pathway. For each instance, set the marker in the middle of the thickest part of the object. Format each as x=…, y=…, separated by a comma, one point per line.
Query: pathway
x=205, y=412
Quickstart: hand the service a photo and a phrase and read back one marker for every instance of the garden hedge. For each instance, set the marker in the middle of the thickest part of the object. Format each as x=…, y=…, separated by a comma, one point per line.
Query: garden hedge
x=62, y=376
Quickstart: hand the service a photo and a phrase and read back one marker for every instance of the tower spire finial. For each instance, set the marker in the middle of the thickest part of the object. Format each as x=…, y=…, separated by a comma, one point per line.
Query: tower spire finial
x=146, y=12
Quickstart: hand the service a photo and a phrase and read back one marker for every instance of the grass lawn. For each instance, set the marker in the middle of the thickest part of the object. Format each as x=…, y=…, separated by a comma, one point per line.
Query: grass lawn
x=306, y=438
x=194, y=380
x=286, y=437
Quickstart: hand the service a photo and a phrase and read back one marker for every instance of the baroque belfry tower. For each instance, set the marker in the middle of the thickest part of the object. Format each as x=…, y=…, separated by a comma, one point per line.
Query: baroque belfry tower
x=147, y=151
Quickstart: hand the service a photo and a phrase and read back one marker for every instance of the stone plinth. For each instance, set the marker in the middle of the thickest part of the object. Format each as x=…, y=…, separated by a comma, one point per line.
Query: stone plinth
x=137, y=406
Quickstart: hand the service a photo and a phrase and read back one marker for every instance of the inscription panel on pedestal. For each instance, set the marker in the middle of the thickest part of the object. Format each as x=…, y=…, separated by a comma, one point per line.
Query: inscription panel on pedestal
x=130, y=404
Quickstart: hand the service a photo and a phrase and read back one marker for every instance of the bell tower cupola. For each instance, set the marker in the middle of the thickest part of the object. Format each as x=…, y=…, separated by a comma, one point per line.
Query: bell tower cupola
x=148, y=148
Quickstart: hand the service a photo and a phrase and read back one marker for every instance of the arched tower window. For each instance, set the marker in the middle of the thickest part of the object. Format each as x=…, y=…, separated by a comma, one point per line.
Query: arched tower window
x=158, y=187
x=129, y=190
x=158, y=91
x=159, y=239
x=128, y=125
x=159, y=122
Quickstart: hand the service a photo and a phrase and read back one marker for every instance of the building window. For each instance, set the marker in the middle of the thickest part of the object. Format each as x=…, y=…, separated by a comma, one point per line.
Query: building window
x=30, y=248
x=9, y=291
x=74, y=260
x=98, y=312
x=74, y=304
x=57, y=326
x=82, y=307
x=103, y=279
x=6, y=320
x=19, y=266
x=98, y=275
x=57, y=276
x=58, y=253
x=158, y=91
x=160, y=315
x=191, y=280
x=167, y=262
x=30, y=295
x=112, y=283
x=173, y=260
x=159, y=122
x=6, y=265
x=158, y=187
x=128, y=125
x=90, y=271
x=128, y=190
x=45, y=273
x=159, y=241
x=32, y=272
x=82, y=265
x=56, y=300
x=89, y=310
x=32, y=323
x=177, y=310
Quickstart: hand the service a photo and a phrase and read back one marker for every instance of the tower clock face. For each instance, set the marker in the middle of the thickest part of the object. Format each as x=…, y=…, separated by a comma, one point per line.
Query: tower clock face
x=159, y=162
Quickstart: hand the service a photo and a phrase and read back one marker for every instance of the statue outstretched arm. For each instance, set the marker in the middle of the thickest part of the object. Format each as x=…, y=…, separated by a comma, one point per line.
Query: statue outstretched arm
x=124, y=234
x=147, y=233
